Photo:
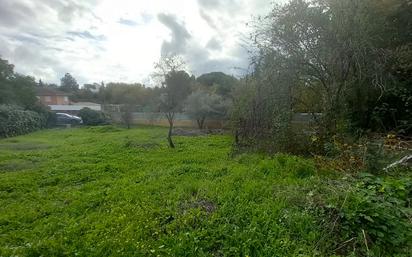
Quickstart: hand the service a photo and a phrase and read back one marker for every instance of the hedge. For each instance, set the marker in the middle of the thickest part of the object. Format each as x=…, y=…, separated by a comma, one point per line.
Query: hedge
x=15, y=121
x=92, y=117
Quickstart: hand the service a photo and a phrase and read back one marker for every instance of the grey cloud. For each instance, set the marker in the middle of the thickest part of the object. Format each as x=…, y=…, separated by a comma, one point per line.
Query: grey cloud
x=127, y=22
x=4, y=48
x=87, y=35
x=227, y=65
x=18, y=12
x=180, y=35
x=146, y=18
x=35, y=34
x=221, y=5
x=13, y=13
x=197, y=56
x=208, y=19
x=35, y=56
x=143, y=19
x=39, y=61
x=236, y=64
x=25, y=38
x=31, y=60
x=68, y=10
x=210, y=4
x=214, y=44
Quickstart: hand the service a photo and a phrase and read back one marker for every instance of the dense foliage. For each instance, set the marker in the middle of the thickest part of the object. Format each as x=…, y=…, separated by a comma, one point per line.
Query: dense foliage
x=68, y=83
x=15, y=121
x=344, y=62
x=376, y=214
x=201, y=105
x=177, y=87
x=16, y=89
x=92, y=117
x=218, y=82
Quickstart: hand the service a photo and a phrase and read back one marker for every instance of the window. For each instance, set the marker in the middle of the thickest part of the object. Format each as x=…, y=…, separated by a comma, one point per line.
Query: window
x=66, y=99
x=47, y=98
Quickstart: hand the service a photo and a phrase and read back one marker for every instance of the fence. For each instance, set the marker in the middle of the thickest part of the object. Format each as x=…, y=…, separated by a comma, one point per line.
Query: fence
x=183, y=120
x=159, y=119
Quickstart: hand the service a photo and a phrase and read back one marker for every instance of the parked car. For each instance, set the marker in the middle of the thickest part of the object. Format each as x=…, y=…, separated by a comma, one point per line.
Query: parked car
x=66, y=119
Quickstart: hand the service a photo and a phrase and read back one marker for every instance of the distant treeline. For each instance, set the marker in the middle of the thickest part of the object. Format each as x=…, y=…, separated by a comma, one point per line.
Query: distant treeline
x=207, y=96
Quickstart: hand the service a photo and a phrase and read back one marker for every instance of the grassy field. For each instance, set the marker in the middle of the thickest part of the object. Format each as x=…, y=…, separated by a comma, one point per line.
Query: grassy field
x=107, y=191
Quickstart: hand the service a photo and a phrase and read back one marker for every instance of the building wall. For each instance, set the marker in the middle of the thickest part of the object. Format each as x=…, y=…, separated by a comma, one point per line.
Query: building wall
x=54, y=100
x=73, y=107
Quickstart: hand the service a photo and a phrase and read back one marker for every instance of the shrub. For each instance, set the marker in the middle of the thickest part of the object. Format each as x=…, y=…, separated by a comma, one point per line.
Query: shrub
x=376, y=215
x=15, y=121
x=45, y=111
x=92, y=117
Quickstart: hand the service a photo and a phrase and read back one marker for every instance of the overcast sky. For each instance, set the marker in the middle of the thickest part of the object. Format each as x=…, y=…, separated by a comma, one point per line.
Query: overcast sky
x=108, y=40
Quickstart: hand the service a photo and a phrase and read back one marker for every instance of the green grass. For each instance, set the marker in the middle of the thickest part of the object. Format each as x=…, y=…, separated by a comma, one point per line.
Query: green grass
x=107, y=191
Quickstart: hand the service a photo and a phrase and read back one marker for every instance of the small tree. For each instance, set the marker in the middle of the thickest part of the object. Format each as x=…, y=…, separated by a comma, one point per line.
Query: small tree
x=69, y=83
x=176, y=84
x=201, y=105
x=127, y=114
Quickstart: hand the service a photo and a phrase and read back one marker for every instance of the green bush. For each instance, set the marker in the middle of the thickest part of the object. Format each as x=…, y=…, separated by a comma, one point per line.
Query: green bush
x=92, y=117
x=376, y=215
x=45, y=111
x=15, y=121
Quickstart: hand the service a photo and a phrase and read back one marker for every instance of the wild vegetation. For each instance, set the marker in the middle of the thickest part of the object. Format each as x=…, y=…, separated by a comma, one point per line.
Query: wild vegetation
x=15, y=121
x=345, y=62
x=302, y=169
x=117, y=192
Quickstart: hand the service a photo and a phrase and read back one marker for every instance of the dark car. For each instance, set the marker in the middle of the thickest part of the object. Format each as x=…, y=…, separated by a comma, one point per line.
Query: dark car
x=66, y=119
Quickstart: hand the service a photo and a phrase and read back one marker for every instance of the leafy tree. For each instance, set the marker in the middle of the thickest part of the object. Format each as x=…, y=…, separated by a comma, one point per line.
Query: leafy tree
x=339, y=50
x=201, y=105
x=24, y=91
x=89, y=92
x=6, y=77
x=218, y=82
x=122, y=93
x=41, y=84
x=178, y=85
x=6, y=70
x=68, y=83
x=15, y=88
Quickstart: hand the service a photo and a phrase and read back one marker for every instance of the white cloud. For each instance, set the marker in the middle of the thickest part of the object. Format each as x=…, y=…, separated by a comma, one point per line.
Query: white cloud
x=105, y=40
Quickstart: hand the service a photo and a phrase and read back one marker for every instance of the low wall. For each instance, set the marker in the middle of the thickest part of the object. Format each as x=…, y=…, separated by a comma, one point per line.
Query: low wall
x=73, y=107
x=159, y=119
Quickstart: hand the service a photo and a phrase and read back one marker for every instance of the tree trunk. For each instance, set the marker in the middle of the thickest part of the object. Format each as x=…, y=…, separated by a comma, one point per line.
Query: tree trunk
x=200, y=122
x=169, y=136
x=170, y=118
x=237, y=137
